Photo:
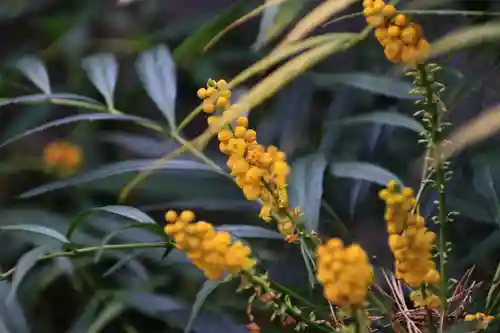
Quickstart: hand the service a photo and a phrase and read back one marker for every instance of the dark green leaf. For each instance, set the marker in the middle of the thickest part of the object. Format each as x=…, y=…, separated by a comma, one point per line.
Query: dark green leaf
x=486, y=247
x=102, y=70
x=461, y=327
x=78, y=118
x=309, y=262
x=35, y=71
x=192, y=47
x=250, y=231
x=208, y=287
x=119, y=168
x=156, y=69
x=483, y=183
x=383, y=118
x=36, y=229
x=125, y=211
x=154, y=228
x=112, y=311
x=37, y=98
x=376, y=84
x=154, y=305
x=86, y=318
x=306, y=187
x=23, y=266
x=363, y=171
x=12, y=316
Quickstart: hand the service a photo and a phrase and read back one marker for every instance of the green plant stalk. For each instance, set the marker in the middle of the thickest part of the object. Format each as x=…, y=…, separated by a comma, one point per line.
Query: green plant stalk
x=91, y=249
x=432, y=108
x=294, y=312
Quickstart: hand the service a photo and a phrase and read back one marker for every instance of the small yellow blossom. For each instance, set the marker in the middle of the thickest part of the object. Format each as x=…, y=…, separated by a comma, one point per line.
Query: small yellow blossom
x=409, y=239
x=402, y=40
x=62, y=157
x=260, y=172
x=211, y=251
x=345, y=273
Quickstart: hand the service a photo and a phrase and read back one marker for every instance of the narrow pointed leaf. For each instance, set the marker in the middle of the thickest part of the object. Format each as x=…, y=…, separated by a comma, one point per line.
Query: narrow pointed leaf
x=208, y=287
x=78, y=118
x=36, y=98
x=38, y=230
x=306, y=187
x=112, y=311
x=250, y=231
x=383, y=118
x=34, y=69
x=376, y=84
x=102, y=70
x=156, y=69
x=23, y=266
x=363, y=171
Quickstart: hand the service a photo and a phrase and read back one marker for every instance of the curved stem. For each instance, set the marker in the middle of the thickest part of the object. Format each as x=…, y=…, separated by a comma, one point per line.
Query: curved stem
x=91, y=249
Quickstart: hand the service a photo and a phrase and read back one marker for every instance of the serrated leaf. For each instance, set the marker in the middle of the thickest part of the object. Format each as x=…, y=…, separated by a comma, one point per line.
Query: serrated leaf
x=23, y=266
x=120, y=168
x=382, y=118
x=377, y=84
x=156, y=69
x=466, y=37
x=78, y=118
x=112, y=311
x=306, y=187
x=208, y=287
x=314, y=19
x=275, y=19
x=38, y=230
x=250, y=231
x=363, y=171
x=272, y=83
x=34, y=69
x=102, y=70
x=192, y=47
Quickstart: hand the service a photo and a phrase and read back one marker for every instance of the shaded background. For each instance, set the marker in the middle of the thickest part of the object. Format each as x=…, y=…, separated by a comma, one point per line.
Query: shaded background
x=335, y=109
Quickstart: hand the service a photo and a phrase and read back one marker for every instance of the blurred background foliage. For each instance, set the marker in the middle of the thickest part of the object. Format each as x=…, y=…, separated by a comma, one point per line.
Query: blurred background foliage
x=346, y=126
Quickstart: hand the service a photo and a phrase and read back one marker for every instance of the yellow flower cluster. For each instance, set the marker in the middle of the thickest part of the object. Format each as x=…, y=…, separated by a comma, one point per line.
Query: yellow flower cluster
x=211, y=251
x=402, y=40
x=345, y=273
x=409, y=239
x=259, y=171
x=480, y=317
x=62, y=157
x=427, y=300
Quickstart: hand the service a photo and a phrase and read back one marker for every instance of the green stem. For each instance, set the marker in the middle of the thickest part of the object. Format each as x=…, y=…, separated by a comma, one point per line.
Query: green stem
x=293, y=311
x=431, y=107
x=91, y=249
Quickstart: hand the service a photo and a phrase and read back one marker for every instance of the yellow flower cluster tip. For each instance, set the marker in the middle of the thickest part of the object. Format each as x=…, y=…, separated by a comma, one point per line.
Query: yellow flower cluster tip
x=402, y=40
x=211, y=251
x=409, y=239
x=426, y=300
x=62, y=157
x=480, y=317
x=345, y=273
x=261, y=172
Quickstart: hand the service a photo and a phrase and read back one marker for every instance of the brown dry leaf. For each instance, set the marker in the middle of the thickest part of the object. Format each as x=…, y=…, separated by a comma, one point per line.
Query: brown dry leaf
x=271, y=84
x=317, y=17
x=465, y=37
x=243, y=19
x=482, y=127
